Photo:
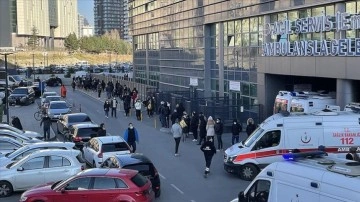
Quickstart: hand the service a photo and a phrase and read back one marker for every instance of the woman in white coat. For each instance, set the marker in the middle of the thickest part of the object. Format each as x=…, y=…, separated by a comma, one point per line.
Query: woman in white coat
x=210, y=131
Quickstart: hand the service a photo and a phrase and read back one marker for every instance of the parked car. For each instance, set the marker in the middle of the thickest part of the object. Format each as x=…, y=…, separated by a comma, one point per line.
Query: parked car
x=26, y=133
x=8, y=145
x=39, y=167
x=65, y=121
x=53, y=81
x=100, y=148
x=49, y=99
x=22, y=95
x=82, y=133
x=57, y=108
x=45, y=94
x=28, y=149
x=19, y=137
x=137, y=162
x=95, y=185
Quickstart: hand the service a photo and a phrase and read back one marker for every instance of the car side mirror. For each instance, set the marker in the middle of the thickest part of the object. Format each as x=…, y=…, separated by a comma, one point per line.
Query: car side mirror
x=62, y=190
x=20, y=169
x=241, y=197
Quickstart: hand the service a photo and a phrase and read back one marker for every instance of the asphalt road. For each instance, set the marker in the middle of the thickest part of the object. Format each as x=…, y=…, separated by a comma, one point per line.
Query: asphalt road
x=181, y=177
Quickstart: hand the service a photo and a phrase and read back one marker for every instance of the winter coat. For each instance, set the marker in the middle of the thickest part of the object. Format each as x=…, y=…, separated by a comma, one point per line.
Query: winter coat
x=16, y=123
x=46, y=121
x=176, y=130
x=250, y=128
x=210, y=131
x=101, y=132
x=106, y=106
x=236, y=129
x=208, y=148
x=219, y=127
x=194, y=123
x=202, y=126
x=138, y=105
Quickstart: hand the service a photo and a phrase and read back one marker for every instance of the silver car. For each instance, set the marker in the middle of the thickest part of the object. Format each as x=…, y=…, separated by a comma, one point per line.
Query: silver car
x=22, y=132
x=8, y=145
x=45, y=94
x=58, y=108
x=19, y=137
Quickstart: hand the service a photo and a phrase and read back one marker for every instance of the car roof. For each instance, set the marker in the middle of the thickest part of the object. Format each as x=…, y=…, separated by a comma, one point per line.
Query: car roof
x=134, y=158
x=110, y=139
x=64, y=144
x=58, y=101
x=76, y=114
x=9, y=139
x=108, y=172
x=49, y=92
x=85, y=125
x=52, y=96
x=22, y=88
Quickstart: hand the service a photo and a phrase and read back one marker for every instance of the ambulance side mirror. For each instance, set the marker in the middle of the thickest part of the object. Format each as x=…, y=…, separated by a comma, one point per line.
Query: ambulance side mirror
x=241, y=197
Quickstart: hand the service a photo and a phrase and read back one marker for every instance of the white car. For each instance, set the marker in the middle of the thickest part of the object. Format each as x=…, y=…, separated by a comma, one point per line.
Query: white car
x=19, y=137
x=58, y=108
x=100, y=148
x=28, y=149
x=40, y=167
x=22, y=132
x=45, y=94
x=8, y=145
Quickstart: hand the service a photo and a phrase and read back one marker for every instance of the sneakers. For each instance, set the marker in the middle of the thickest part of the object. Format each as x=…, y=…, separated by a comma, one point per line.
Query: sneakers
x=194, y=140
x=177, y=154
x=218, y=150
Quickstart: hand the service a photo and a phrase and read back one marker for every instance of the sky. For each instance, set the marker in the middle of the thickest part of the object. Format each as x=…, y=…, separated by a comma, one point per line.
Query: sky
x=86, y=8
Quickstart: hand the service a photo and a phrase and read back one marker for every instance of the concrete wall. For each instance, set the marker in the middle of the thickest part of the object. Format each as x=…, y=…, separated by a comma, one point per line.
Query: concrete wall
x=5, y=22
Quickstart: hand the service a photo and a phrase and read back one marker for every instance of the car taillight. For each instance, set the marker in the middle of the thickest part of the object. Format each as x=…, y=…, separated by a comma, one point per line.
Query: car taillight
x=156, y=172
x=142, y=193
x=100, y=155
x=82, y=168
x=77, y=139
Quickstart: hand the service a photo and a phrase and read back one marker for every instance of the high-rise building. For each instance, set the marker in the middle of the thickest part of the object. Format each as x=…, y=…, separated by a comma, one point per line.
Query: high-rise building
x=81, y=21
x=85, y=29
x=127, y=36
x=110, y=15
x=52, y=19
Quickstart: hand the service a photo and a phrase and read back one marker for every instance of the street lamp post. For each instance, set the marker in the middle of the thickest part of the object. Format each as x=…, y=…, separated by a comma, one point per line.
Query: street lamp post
x=33, y=65
x=6, y=87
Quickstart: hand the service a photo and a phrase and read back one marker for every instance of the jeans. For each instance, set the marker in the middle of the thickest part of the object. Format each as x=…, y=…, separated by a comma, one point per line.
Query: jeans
x=220, y=142
x=235, y=139
x=99, y=93
x=113, y=112
x=106, y=113
x=138, y=114
x=195, y=133
x=46, y=133
x=201, y=139
x=208, y=159
x=133, y=146
x=177, y=142
x=163, y=120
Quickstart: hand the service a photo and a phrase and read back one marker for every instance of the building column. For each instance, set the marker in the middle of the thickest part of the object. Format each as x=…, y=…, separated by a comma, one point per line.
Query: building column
x=345, y=92
x=147, y=60
x=221, y=59
x=341, y=8
x=207, y=63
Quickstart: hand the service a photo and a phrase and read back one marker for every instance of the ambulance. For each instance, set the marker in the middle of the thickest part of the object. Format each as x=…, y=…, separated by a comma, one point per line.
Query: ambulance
x=310, y=178
x=284, y=132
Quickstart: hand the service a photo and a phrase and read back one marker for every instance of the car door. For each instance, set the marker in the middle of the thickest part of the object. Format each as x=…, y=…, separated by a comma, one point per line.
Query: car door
x=57, y=168
x=29, y=173
x=88, y=151
x=104, y=189
x=77, y=190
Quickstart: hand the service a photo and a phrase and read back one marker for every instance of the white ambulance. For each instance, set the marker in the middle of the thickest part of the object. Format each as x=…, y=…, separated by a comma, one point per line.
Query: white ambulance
x=314, y=179
x=281, y=133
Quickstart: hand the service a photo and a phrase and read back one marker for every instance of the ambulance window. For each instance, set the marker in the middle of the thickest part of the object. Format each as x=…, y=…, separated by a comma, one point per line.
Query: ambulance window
x=259, y=191
x=269, y=139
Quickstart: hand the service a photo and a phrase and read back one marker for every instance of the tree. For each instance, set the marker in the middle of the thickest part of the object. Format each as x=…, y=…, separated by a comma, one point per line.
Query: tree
x=71, y=42
x=33, y=41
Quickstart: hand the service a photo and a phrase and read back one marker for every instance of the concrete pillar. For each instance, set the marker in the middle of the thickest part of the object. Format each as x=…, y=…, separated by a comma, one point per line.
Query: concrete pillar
x=267, y=38
x=147, y=59
x=341, y=8
x=207, y=64
x=221, y=59
x=5, y=22
x=345, y=92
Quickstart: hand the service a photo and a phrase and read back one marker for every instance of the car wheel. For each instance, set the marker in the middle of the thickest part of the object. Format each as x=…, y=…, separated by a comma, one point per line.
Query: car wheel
x=248, y=172
x=94, y=164
x=158, y=193
x=6, y=189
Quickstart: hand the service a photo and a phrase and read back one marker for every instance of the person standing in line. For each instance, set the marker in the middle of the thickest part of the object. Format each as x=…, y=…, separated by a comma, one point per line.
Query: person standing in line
x=236, y=128
x=176, y=131
x=250, y=126
x=138, y=109
x=210, y=131
x=114, y=104
x=46, y=128
x=202, y=128
x=209, y=150
x=184, y=127
x=99, y=88
x=219, y=127
x=173, y=117
x=127, y=101
x=194, y=125
x=107, y=108
x=131, y=136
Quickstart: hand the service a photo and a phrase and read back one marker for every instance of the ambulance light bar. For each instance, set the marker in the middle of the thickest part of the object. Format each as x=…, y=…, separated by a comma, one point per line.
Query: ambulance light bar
x=301, y=155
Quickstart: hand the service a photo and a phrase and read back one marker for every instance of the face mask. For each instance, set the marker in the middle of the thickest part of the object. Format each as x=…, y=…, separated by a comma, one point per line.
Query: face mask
x=217, y=121
x=234, y=122
x=131, y=127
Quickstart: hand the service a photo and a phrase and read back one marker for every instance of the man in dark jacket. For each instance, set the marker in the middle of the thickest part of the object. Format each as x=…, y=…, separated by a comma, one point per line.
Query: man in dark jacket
x=47, y=124
x=131, y=136
x=102, y=131
x=194, y=125
x=250, y=126
x=219, y=127
x=209, y=150
x=236, y=128
x=16, y=123
x=202, y=127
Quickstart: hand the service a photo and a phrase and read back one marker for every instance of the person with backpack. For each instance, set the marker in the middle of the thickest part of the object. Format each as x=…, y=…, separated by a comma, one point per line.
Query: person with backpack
x=131, y=136
x=236, y=128
x=209, y=150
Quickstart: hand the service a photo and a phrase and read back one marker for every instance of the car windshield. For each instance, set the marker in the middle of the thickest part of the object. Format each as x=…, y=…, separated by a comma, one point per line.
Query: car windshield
x=111, y=147
x=139, y=180
x=49, y=99
x=58, y=106
x=251, y=139
x=48, y=94
x=78, y=118
x=20, y=91
x=17, y=77
x=17, y=152
x=87, y=132
x=144, y=169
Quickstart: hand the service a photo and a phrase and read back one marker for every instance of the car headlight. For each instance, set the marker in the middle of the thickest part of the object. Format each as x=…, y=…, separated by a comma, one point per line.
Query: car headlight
x=23, y=198
x=231, y=158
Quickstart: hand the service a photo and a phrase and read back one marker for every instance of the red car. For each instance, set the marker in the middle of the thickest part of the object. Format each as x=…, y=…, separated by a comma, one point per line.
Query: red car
x=95, y=185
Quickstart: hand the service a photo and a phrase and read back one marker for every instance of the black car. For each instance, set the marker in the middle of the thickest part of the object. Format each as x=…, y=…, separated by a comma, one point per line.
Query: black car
x=82, y=133
x=53, y=81
x=137, y=162
x=66, y=121
x=22, y=95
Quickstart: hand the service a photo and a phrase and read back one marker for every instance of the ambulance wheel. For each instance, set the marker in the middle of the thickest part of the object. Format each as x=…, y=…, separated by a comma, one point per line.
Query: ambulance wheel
x=248, y=172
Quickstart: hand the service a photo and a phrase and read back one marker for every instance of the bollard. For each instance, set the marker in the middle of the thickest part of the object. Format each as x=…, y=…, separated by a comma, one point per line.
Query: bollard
x=141, y=116
x=155, y=122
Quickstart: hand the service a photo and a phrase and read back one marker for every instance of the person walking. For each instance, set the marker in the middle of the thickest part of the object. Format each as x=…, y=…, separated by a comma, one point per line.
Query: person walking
x=113, y=104
x=99, y=88
x=250, y=126
x=138, y=109
x=209, y=150
x=210, y=131
x=127, y=101
x=16, y=122
x=102, y=130
x=202, y=127
x=219, y=127
x=63, y=91
x=236, y=128
x=176, y=131
x=46, y=121
x=194, y=125
x=107, y=108
x=131, y=136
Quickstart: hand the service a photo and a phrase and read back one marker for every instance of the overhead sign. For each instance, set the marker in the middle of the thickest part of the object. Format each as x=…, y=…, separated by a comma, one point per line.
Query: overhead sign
x=7, y=49
x=194, y=81
x=317, y=24
x=234, y=85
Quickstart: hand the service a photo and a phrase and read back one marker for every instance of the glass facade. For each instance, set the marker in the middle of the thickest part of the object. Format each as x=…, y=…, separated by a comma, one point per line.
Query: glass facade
x=216, y=41
x=109, y=15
